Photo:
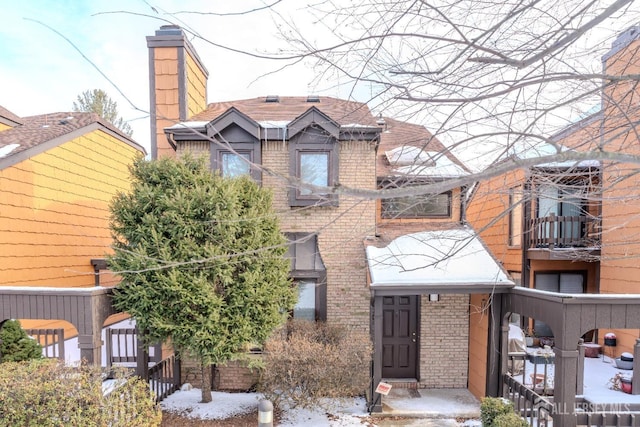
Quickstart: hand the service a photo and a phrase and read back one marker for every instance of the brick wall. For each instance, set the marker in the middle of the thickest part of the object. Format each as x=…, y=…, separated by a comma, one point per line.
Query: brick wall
x=196, y=148
x=444, y=342
x=341, y=229
x=235, y=375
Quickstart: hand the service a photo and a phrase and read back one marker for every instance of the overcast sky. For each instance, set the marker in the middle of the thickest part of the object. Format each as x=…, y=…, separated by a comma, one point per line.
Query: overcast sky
x=41, y=72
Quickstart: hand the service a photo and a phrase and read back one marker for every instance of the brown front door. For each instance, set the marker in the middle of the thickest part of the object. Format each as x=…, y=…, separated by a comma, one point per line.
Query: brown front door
x=399, y=336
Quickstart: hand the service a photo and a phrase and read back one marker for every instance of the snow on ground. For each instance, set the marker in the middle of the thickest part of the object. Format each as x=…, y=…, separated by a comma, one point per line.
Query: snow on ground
x=222, y=405
x=343, y=412
x=226, y=405
x=598, y=372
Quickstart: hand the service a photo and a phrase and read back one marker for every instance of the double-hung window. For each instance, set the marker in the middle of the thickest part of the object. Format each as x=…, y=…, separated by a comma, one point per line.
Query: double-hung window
x=234, y=164
x=241, y=158
x=313, y=163
x=313, y=169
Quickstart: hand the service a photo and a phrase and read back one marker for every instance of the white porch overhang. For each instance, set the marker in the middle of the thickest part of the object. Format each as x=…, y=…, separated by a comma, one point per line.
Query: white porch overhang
x=430, y=262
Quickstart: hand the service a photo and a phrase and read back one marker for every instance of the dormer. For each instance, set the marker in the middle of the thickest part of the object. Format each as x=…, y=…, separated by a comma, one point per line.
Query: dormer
x=313, y=158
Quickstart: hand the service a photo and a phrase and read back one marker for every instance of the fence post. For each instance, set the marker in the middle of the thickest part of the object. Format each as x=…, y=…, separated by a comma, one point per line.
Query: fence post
x=580, y=370
x=177, y=370
x=552, y=230
x=142, y=357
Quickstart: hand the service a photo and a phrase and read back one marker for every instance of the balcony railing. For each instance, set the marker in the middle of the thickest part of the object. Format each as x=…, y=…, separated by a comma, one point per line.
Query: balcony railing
x=553, y=232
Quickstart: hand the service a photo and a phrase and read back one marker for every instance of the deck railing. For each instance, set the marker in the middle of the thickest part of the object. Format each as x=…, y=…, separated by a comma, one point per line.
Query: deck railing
x=51, y=340
x=534, y=408
x=164, y=377
x=564, y=231
x=529, y=395
x=615, y=415
x=122, y=347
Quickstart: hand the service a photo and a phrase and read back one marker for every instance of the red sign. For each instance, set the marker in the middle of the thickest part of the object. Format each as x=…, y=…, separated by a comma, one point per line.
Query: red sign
x=383, y=388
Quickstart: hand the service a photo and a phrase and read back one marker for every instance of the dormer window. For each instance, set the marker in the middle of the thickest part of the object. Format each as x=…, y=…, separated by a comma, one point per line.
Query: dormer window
x=316, y=165
x=313, y=156
x=236, y=148
x=313, y=169
x=234, y=164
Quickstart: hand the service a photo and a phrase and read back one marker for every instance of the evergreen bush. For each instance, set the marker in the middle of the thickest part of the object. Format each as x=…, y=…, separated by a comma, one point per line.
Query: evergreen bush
x=510, y=419
x=493, y=407
x=16, y=345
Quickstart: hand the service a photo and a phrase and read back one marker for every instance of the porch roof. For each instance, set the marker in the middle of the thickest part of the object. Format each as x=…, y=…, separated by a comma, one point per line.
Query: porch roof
x=442, y=261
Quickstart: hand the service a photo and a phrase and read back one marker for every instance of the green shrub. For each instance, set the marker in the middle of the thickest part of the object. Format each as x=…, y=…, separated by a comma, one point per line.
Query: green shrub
x=510, y=419
x=491, y=408
x=46, y=393
x=16, y=345
x=308, y=361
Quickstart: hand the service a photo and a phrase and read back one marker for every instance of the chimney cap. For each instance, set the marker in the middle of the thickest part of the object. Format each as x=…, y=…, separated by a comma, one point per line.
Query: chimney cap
x=169, y=30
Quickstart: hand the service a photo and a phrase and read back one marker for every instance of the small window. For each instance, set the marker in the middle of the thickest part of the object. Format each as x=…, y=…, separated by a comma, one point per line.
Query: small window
x=515, y=217
x=243, y=158
x=305, y=308
x=429, y=206
x=314, y=169
x=563, y=282
x=233, y=165
x=317, y=167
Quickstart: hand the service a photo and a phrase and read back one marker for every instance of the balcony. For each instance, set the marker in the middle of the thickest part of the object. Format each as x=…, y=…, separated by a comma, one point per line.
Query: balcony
x=564, y=237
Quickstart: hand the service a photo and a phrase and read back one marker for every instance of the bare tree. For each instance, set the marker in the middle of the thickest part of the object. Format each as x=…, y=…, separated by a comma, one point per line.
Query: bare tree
x=488, y=78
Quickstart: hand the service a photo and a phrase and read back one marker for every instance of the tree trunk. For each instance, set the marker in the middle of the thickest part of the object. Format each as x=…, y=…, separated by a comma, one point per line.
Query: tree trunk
x=206, y=382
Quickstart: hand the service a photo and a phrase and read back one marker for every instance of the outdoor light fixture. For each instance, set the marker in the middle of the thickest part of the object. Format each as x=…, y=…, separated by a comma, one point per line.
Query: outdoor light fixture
x=434, y=297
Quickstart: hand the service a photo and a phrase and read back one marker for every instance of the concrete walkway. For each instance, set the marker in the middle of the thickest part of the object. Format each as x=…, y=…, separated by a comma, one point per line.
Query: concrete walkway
x=428, y=407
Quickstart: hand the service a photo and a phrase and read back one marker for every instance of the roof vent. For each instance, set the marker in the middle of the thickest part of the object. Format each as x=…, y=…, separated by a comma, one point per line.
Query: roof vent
x=66, y=120
x=313, y=98
x=272, y=98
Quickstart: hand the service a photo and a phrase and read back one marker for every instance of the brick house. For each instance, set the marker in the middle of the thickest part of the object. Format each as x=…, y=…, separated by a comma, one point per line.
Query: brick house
x=285, y=142
x=322, y=141
x=436, y=346
x=365, y=263
x=58, y=174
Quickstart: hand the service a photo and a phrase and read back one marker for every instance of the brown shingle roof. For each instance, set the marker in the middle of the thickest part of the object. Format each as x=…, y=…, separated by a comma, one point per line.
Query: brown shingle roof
x=289, y=107
x=397, y=134
x=9, y=116
x=39, y=129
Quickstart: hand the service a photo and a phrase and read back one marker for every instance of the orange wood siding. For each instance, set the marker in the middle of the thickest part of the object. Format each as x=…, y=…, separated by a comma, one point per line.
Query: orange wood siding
x=621, y=205
x=196, y=88
x=4, y=127
x=167, y=95
x=488, y=214
x=54, y=211
x=478, y=337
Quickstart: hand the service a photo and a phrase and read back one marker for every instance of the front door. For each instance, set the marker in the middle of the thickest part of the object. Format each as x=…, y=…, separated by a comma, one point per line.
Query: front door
x=399, y=336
